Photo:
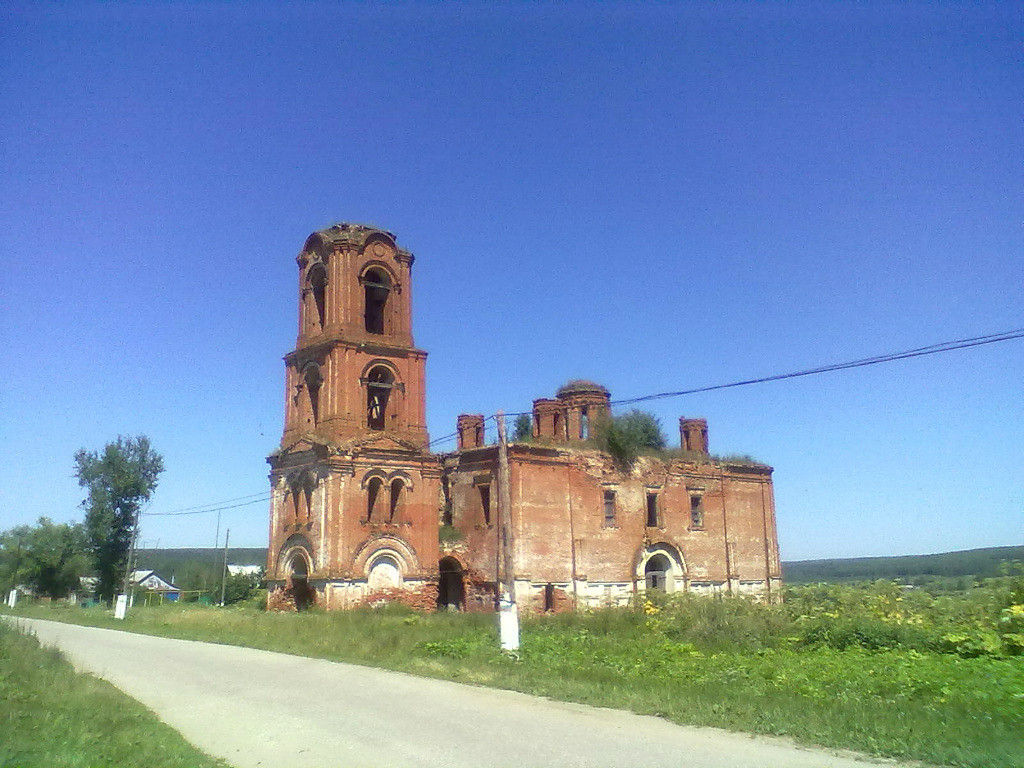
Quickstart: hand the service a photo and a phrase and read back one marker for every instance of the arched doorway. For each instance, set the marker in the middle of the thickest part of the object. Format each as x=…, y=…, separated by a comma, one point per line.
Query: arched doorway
x=451, y=590
x=657, y=572
x=303, y=594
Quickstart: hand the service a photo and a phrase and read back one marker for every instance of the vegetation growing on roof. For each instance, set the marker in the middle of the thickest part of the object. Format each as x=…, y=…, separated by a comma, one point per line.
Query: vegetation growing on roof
x=580, y=385
x=625, y=437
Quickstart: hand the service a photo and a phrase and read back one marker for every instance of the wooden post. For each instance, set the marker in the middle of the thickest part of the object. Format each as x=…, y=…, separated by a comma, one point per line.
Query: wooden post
x=127, y=585
x=505, y=510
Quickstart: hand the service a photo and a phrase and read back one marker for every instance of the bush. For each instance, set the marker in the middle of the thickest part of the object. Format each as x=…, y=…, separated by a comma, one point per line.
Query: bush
x=625, y=437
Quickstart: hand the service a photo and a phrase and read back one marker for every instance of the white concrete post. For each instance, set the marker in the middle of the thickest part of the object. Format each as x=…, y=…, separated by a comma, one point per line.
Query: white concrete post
x=508, y=625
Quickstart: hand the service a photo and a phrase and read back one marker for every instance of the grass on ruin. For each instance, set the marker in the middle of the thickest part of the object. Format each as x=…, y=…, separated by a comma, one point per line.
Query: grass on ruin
x=54, y=717
x=873, y=668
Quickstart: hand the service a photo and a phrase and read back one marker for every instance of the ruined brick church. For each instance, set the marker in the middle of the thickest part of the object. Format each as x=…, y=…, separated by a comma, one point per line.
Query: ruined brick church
x=362, y=509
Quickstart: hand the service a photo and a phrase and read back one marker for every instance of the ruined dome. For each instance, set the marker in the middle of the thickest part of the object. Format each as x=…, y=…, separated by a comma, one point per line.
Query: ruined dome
x=346, y=233
x=577, y=386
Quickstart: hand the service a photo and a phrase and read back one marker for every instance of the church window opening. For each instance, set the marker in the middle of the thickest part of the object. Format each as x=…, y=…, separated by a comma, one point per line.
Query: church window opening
x=307, y=499
x=696, y=511
x=584, y=423
x=318, y=285
x=376, y=289
x=446, y=513
x=549, y=597
x=394, y=514
x=296, y=502
x=609, y=508
x=558, y=426
x=652, y=510
x=378, y=392
x=372, y=496
x=485, y=502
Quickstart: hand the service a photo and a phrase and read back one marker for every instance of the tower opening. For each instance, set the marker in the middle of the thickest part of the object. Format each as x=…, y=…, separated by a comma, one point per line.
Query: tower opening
x=376, y=289
x=314, y=381
x=378, y=391
x=318, y=285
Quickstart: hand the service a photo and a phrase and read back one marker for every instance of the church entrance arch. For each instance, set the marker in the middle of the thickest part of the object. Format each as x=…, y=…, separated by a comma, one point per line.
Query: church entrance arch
x=656, y=572
x=298, y=581
x=659, y=566
x=451, y=588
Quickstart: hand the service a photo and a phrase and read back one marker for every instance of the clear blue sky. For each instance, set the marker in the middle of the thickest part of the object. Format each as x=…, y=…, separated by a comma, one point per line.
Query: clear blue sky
x=655, y=196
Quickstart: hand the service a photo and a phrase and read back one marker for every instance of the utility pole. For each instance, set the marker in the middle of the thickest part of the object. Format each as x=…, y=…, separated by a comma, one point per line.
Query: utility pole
x=508, y=617
x=224, y=573
x=122, y=599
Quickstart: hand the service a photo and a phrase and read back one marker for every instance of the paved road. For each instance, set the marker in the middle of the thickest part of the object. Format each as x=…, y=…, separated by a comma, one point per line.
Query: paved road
x=256, y=708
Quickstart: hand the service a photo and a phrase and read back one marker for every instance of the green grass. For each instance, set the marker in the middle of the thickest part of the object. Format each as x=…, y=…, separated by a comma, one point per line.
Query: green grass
x=867, y=668
x=53, y=717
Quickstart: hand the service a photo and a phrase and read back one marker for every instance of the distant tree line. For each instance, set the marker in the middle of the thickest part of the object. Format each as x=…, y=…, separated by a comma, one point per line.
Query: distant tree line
x=910, y=569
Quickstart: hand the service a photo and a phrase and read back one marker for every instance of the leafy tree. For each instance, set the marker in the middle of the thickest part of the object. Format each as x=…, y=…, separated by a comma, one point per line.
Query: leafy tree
x=522, y=429
x=243, y=586
x=625, y=436
x=118, y=480
x=55, y=557
x=13, y=547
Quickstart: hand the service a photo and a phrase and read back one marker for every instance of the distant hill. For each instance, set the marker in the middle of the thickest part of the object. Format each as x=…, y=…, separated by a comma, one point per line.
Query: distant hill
x=969, y=562
x=168, y=561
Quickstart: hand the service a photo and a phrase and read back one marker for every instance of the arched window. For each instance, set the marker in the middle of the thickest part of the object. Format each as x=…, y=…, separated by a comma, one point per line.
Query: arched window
x=584, y=423
x=396, y=500
x=558, y=426
x=314, y=381
x=378, y=391
x=376, y=289
x=301, y=489
x=373, y=498
x=317, y=278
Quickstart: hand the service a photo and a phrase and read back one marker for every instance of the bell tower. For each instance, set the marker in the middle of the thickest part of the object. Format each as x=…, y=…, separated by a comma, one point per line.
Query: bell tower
x=355, y=370
x=354, y=507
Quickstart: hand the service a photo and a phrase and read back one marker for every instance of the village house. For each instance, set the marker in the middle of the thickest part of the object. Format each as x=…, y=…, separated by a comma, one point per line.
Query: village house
x=363, y=510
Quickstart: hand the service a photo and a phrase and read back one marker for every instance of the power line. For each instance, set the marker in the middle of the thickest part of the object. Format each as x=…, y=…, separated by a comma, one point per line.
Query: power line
x=265, y=497
x=931, y=349
x=202, y=507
